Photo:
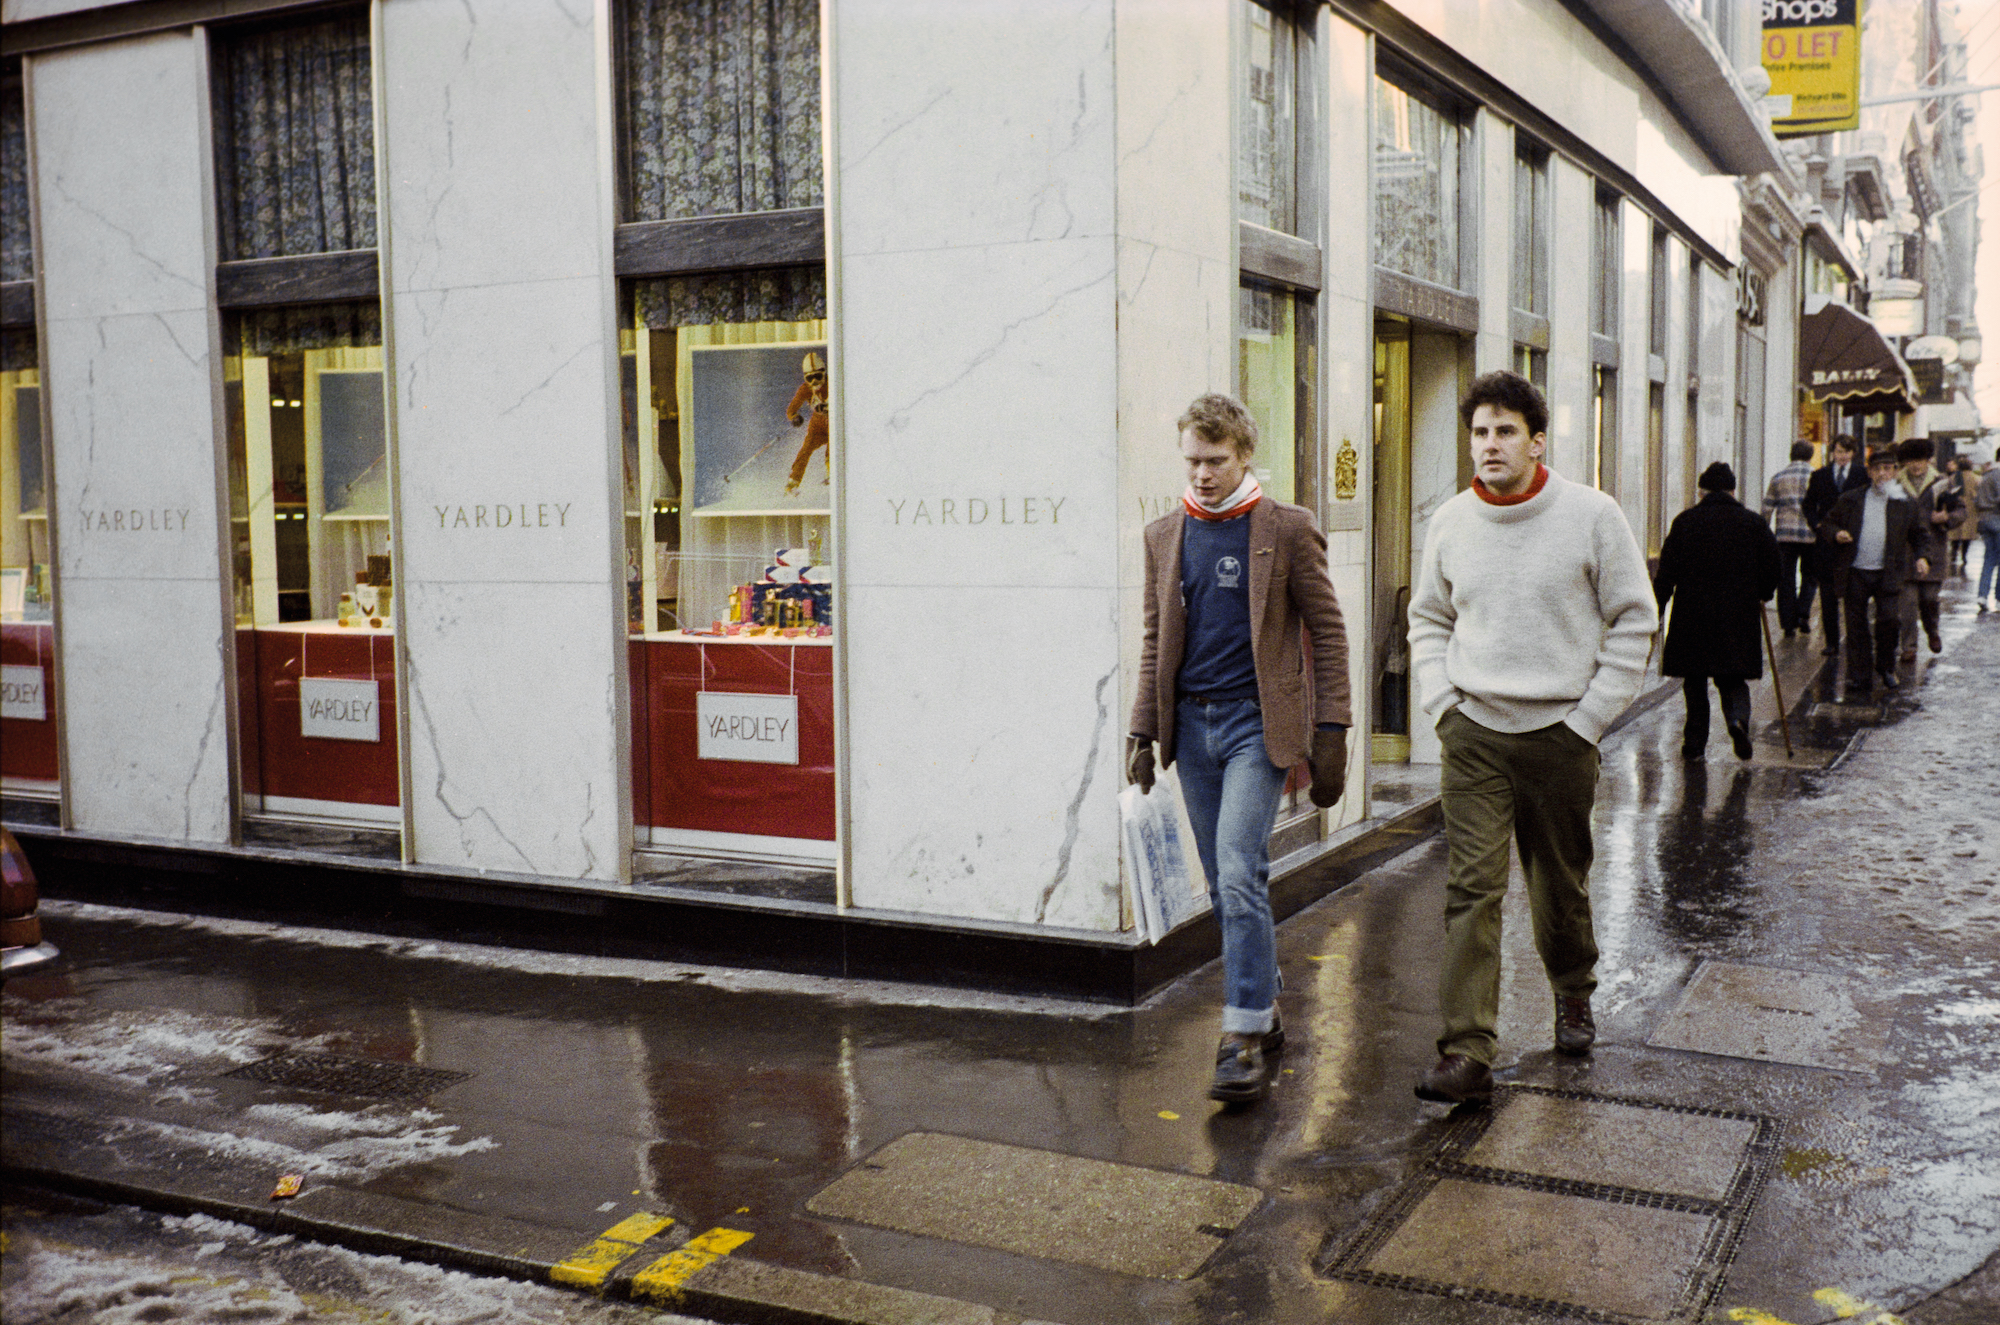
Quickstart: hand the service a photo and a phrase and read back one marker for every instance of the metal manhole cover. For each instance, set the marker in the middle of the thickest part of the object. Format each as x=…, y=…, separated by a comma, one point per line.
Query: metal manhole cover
x=1506, y=1213
x=333, y=1075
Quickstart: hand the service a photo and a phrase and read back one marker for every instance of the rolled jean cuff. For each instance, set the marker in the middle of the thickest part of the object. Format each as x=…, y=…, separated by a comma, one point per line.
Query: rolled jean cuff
x=1245, y=1021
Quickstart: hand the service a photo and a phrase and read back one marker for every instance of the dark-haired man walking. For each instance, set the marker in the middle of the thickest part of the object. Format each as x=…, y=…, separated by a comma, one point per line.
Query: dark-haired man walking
x=1234, y=581
x=1843, y=472
x=1529, y=631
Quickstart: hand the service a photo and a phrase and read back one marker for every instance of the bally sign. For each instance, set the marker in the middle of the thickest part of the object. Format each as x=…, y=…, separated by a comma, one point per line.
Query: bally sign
x=340, y=710
x=21, y=694
x=762, y=729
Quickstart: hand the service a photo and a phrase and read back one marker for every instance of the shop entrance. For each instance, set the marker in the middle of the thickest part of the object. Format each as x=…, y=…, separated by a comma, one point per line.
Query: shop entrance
x=1419, y=463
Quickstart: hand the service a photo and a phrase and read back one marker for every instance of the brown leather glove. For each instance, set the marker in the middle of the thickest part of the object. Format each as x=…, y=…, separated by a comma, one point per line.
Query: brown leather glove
x=1139, y=763
x=1329, y=767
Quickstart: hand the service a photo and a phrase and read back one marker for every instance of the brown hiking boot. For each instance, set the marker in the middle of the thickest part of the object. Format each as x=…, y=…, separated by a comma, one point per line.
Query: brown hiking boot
x=1575, y=1031
x=1456, y=1080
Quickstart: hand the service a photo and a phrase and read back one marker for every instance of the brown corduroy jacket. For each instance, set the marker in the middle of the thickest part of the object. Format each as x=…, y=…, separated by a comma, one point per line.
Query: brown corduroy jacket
x=1291, y=599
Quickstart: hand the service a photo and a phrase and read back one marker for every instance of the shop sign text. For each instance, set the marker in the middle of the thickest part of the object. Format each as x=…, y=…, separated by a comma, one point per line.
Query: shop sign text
x=21, y=695
x=340, y=710
x=758, y=729
x=518, y=515
x=976, y=510
x=136, y=519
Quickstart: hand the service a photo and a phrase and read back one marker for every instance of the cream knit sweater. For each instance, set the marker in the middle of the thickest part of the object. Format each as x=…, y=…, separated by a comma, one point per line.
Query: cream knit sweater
x=1531, y=614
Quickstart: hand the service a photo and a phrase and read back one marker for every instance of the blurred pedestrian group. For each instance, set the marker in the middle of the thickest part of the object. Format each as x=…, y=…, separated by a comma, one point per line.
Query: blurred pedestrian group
x=1877, y=539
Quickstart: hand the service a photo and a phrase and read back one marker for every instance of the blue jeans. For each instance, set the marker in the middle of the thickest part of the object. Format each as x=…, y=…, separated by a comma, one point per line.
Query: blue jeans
x=1989, y=534
x=1232, y=792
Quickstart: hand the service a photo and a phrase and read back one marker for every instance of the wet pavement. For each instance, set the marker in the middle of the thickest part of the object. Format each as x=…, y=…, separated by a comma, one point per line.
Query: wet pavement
x=1792, y=1114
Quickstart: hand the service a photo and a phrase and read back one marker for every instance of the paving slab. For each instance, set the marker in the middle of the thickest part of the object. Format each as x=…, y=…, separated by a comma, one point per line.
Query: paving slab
x=1038, y=1203
x=1546, y=1247
x=1633, y=1146
x=1773, y=1016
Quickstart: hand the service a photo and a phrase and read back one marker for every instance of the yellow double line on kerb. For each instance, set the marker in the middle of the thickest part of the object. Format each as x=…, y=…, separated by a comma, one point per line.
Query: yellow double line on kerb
x=589, y=1267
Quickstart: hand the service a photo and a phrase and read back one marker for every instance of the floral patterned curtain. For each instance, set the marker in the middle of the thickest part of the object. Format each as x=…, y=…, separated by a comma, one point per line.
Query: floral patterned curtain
x=770, y=294
x=288, y=330
x=721, y=106
x=17, y=258
x=295, y=139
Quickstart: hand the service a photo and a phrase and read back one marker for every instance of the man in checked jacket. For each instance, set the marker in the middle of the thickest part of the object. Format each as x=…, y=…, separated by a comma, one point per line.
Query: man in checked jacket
x=1784, y=501
x=1234, y=582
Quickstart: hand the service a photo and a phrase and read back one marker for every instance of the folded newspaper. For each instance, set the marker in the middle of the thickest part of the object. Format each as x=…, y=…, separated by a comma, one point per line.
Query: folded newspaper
x=1168, y=886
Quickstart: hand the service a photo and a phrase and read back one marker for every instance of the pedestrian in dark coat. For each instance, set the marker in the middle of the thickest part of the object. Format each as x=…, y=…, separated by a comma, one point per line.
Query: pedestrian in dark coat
x=1843, y=472
x=1721, y=562
x=1937, y=510
x=1877, y=543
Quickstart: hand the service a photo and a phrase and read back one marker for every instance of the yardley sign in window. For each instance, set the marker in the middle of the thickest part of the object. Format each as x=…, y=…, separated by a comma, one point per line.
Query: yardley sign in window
x=340, y=710
x=21, y=694
x=759, y=729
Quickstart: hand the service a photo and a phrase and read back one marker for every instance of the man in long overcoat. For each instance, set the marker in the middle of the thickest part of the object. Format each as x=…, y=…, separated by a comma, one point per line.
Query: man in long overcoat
x=1721, y=562
x=1842, y=472
x=1877, y=543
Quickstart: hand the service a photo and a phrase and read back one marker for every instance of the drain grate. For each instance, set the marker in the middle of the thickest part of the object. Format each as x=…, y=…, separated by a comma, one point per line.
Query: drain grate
x=331, y=1074
x=1400, y=1247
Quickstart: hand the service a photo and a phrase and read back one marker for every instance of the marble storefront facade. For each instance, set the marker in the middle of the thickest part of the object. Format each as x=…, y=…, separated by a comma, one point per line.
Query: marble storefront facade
x=1034, y=256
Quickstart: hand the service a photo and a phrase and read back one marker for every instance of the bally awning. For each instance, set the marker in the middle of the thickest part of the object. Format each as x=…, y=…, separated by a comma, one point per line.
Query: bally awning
x=1843, y=359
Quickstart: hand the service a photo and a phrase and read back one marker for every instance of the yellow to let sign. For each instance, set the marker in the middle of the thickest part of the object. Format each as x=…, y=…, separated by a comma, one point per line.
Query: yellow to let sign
x=1812, y=51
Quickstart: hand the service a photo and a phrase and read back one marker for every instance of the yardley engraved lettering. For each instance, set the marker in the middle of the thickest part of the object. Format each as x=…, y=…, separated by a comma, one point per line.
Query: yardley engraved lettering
x=136, y=519
x=976, y=510
x=504, y=515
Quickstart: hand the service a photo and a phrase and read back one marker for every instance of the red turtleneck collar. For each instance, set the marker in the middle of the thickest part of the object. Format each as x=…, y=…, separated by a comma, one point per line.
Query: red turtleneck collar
x=1486, y=495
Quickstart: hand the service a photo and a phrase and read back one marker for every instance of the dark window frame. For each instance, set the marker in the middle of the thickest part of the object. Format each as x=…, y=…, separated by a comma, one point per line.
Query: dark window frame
x=1531, y=258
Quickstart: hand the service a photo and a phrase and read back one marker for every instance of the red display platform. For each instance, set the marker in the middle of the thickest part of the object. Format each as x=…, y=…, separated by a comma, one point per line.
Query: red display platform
x=277, y=759
x=28, y=748
x=674, y=788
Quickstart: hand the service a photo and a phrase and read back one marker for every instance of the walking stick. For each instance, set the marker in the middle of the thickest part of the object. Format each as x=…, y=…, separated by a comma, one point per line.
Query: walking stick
x=1777, y=686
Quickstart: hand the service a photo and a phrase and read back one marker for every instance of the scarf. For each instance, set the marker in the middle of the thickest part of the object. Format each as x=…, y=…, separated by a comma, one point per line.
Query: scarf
x=1239, y=502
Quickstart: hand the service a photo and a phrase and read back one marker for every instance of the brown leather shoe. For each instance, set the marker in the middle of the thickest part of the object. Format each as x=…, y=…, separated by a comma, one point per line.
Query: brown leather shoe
x=1456, y=1080
x=1239, y=1070
x=1274, y=1039
x=1575, y=1031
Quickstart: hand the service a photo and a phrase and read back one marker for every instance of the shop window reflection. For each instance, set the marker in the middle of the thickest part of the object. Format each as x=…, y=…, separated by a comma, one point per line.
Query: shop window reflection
x=313, y=565
x=1419, y=144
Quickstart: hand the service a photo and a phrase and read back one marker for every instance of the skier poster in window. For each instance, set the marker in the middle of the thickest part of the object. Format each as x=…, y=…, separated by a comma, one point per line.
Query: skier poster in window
x=759, y=434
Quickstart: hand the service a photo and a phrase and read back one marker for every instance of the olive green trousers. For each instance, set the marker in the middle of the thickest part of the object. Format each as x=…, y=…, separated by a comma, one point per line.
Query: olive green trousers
x=1535, y=789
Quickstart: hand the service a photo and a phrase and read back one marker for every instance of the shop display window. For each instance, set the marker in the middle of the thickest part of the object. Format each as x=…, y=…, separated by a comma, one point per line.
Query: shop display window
x=1277, y=356
x=731, y=568
x=314, y=568
x=28, y=765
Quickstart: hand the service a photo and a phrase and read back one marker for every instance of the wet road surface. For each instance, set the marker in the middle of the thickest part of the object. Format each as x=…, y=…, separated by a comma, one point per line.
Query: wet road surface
x=1790, y=1115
